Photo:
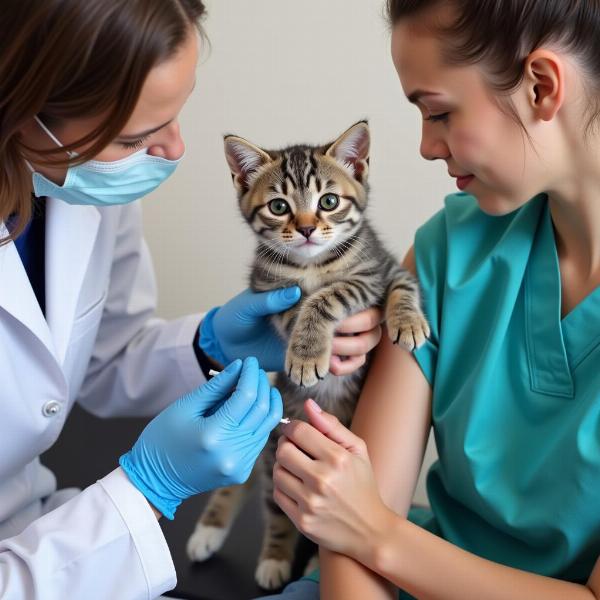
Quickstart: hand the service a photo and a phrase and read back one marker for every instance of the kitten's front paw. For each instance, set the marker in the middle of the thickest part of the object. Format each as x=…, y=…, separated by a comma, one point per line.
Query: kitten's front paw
x=409, y=328
x=306, y=370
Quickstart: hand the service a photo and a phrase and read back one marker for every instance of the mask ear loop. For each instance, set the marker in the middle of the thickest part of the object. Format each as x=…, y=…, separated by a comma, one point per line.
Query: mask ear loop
x=71, y=154
x=53, y=137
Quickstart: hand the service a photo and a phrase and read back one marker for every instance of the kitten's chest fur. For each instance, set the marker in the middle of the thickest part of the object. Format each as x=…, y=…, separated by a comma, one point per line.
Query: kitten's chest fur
x=365, y=261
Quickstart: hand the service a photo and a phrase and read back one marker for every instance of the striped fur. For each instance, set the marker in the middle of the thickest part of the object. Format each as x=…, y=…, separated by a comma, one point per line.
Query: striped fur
x=343, y=270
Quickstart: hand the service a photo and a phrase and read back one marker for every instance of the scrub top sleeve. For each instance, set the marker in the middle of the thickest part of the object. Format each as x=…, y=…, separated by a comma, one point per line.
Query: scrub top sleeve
x=430, y=257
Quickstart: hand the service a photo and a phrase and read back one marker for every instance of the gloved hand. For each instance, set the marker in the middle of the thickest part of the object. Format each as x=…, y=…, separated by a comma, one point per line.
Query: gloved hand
x=240, y=328
x=209, y=438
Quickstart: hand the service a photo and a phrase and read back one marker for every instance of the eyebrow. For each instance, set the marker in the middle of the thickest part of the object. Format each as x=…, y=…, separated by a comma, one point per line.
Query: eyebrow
x=418, y=94
x=143, y=134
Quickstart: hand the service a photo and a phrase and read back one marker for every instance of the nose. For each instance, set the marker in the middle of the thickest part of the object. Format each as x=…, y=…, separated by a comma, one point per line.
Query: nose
x=433, y=145
x=306, y=231
x=170, y=145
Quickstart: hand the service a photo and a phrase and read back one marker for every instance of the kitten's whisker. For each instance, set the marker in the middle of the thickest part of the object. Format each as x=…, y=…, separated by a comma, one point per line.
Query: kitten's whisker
x=281, y=260
x=357, y=245
x=279, y=256
x=352, y=252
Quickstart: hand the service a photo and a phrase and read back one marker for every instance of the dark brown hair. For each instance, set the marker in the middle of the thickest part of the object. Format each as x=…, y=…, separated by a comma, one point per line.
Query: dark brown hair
x=500, y=34
x=68, y=59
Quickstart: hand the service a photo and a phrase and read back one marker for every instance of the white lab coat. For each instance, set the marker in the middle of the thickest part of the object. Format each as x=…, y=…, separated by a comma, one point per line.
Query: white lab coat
x=100, y=346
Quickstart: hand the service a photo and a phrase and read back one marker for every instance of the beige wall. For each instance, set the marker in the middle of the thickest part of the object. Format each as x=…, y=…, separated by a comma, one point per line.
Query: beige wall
x=280, y=72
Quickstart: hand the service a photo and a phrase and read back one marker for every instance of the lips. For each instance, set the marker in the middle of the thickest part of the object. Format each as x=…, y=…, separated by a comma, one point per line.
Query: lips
x=462, y=181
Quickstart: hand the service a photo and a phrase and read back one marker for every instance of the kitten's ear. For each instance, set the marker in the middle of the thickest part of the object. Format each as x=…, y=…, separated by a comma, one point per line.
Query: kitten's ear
x=244, y=160
x=351, y=149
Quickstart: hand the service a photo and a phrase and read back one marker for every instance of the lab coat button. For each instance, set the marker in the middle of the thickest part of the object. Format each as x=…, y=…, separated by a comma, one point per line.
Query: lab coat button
x=51, y=408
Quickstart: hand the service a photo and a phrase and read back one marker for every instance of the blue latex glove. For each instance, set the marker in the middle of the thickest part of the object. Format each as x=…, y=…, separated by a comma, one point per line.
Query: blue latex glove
x=209, y=438
x=240, y=328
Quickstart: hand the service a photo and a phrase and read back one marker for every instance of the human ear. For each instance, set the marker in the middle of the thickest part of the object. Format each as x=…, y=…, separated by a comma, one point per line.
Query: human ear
x=544, y=76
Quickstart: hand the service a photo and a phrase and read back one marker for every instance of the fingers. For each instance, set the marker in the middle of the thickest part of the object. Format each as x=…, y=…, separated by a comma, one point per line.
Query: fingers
x=237, y=406
x=287, y=505
x=288, y=483
x=357, y=345
x=221, y=386
x=367, y=333
x=310, y=440
x=274, y=416
x=362, y=321
x=338, y=367
x=330, y=426
x=293, y=459
x=267, y=303
x=260, y=408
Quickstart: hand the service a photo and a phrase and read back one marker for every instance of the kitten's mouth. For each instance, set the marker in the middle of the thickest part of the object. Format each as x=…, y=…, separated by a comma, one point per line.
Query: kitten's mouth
x=307, y=243
x=308, y=250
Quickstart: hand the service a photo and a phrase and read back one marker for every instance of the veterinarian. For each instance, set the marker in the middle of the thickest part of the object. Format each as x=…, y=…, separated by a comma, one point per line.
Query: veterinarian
x=90, y=95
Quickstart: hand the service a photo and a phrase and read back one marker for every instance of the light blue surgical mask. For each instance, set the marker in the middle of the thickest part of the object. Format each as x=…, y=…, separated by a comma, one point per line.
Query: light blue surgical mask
x=106, y=183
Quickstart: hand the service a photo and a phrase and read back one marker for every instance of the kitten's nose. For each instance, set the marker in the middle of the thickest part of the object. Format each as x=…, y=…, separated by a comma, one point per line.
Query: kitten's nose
x=306, y=231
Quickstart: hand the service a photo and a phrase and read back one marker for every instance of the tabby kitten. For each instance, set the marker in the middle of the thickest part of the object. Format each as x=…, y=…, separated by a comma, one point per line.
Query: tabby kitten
x=307, y=208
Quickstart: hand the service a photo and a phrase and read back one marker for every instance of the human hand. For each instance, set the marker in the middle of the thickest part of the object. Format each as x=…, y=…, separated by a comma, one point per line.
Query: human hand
x=241, y=328
x=209, y=438
x=355, y=337
x=324, y=482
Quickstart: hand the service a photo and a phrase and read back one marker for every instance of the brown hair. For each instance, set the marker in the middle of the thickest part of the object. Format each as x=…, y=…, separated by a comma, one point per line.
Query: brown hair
x=500, y=34
x=66, y=59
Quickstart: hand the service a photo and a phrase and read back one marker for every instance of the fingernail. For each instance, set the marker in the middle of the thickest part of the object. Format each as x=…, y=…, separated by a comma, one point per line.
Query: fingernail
x=291, y=293
x=314, y=405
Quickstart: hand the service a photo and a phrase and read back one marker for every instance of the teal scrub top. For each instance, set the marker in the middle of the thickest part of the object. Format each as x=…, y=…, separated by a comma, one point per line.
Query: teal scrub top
x=516, y=392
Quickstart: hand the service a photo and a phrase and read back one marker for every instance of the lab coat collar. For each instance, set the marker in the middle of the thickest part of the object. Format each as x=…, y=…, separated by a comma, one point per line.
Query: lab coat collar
x=17, y=297
x=71, y=232
x=70, y=237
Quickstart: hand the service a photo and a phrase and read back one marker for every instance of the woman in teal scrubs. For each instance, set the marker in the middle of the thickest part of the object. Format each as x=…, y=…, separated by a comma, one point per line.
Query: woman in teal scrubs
x=510, y=378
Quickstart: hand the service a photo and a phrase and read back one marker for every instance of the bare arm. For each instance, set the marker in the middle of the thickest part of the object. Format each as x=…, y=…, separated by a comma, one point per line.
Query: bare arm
x=325, y=482
x=353, y=499
x=394, y=418
x=408, y=555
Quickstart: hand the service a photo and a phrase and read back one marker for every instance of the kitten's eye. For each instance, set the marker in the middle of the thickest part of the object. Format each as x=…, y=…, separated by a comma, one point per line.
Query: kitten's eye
x=329, y=201
x=279, y=207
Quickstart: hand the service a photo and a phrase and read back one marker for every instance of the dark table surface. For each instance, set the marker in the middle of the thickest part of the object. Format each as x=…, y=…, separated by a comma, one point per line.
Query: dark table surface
x=89, y=448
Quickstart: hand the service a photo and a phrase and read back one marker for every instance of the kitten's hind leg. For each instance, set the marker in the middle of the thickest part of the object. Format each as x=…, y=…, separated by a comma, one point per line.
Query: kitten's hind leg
x=277, y=555
x=279, y=540
x=405, y=321
x=215, y=522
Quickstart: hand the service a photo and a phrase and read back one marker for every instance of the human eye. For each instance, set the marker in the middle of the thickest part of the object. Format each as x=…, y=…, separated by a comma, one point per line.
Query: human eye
x=440, y=117
x=135, y=144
